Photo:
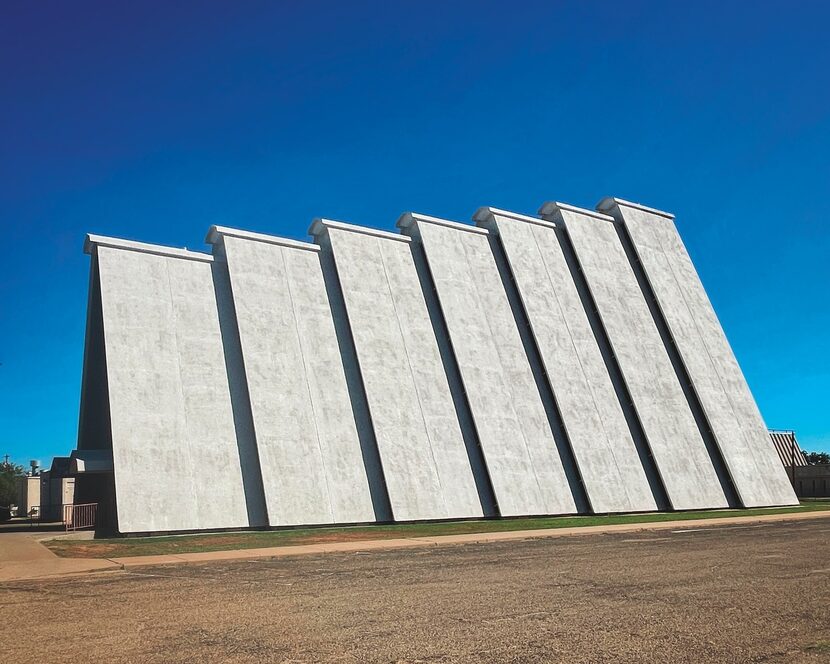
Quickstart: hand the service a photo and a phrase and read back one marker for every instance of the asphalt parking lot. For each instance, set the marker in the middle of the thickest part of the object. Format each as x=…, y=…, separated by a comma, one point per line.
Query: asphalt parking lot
x=723, y=594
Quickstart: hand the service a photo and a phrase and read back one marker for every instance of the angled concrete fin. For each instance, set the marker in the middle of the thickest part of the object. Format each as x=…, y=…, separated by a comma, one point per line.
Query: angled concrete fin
x=680, y=453
x=592, y=417
x=419, y=439
x=306, y=438
x=512, y=423
x=715, y=378
x=175, y=456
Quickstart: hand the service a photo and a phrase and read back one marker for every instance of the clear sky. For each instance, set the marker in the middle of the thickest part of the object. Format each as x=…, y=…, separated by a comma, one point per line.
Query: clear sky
x=152, y=121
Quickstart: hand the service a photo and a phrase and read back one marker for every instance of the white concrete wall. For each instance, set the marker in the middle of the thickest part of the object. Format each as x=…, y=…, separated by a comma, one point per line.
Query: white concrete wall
x=679, y=451
x=174, y=446
x=519, y=448
x=603, y=447
x=309, y=452
x=314, y=383
x=424, y=458
x=717, y=380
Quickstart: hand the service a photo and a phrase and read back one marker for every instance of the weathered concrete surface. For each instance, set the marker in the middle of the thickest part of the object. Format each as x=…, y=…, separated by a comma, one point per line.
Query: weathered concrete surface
x=717, y=380
x=608, y=461
x=679, y=450
x=175, y=454
x=520, y=451
x=425, y=462
x=306, y=437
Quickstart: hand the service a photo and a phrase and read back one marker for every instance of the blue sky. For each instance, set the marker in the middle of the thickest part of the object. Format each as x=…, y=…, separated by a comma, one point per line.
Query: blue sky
x=152, y=121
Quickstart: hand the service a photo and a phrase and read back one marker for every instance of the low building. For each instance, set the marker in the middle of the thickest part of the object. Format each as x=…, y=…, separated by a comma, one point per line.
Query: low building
x=813, y=481
x=57, y=489
x=808, y=480
x=787, y=447
x=28, y=495
x=44, y=494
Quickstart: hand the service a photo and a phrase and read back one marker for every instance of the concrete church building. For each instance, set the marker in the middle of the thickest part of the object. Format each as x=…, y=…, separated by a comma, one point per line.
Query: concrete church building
x=564, y=364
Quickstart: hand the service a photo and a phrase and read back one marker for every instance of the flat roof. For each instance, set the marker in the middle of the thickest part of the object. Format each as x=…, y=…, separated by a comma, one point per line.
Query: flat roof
x=408, y=219
x=319, y=226
x=93, y=241
x=216, y=232
x=609, y=201
x=552, y=207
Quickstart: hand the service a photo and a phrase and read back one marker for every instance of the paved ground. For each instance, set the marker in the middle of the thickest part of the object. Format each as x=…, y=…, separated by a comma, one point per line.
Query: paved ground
x=18, y=563
x=22, y=556
x=723, y=594
x=23, y=547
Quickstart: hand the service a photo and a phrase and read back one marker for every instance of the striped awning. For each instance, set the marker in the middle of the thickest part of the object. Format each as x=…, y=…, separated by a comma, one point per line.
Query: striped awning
x=787, y=447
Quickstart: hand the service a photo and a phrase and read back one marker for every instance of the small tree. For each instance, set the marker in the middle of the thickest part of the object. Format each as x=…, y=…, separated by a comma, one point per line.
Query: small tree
x=817, y=457
x=9, y=472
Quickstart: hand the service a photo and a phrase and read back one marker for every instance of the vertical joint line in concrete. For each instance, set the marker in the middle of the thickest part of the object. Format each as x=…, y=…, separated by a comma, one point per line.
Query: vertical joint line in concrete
x=412, y=375
x=632, y=417
x=361, y=412
x=458, y=392
x=175, y=321
x=698, y=414
x=608, y=445
x=307, y=387
x=498, y=358
x=547, y=395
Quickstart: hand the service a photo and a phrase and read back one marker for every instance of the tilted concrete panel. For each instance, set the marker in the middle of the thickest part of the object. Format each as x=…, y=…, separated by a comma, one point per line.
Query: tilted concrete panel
x=603, y=447
x=422, y=450
x=175, y=454
x=717, y=379
x=679, y=451
x=309, y=452
x=519, y=448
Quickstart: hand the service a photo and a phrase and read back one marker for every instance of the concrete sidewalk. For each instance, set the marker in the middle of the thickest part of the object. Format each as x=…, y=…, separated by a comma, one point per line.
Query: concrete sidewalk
x=23, y=547
x=22, y=556
x=44, y=565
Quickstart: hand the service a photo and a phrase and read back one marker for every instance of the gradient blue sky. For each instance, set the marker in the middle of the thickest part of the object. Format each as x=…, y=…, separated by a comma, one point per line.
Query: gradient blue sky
x=152, y=121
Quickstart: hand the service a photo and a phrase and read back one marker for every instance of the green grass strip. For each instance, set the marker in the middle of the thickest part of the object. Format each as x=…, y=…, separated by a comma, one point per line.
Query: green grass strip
x=172, y=544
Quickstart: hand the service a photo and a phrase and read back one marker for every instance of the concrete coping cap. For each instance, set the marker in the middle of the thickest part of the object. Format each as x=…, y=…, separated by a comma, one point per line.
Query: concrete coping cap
x=609, y=202
x=93, y=241
x=484, y=214
x=216, y=233
x=408, y=219
x=550, y=209
x=320, y=227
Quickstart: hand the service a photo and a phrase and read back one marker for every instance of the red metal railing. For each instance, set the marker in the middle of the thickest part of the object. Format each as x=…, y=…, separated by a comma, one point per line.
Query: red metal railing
x=76, y=517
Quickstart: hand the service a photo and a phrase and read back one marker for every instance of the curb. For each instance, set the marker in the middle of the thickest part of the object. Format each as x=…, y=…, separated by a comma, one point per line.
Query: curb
x=81, y=566
x=444, y=540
